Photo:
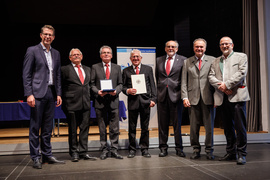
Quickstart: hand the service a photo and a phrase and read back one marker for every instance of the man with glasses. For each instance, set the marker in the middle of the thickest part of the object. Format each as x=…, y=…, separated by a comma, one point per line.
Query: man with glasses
x=107, y=103
x=76, y=104
x=139, y=103
x=168, y=79
x=42, y=86
x=228, y=76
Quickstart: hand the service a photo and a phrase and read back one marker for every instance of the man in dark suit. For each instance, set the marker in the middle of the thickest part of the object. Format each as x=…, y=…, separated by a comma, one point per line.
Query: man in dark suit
x=197, y=95
x=168, y=78
x=107, y=103
x=228, y=76
x=42, y=86
x=139, y=103
x=76, y=104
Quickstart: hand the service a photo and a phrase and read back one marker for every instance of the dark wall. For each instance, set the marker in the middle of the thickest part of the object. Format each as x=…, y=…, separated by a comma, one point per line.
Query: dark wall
x=88, y=25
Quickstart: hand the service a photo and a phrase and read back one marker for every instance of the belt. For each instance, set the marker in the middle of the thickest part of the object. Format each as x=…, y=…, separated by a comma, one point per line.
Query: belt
x=241, y=87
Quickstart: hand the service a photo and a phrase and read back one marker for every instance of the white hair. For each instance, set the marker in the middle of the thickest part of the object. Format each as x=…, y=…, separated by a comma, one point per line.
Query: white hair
x=105, y=46
x=73, y=50
x=135, y=50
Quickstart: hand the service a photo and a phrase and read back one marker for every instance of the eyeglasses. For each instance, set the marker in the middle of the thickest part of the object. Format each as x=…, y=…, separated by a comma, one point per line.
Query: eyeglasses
x=45, y=34
x=136, y=57
x=225, y=44
x=76, y=55
x=171, y=47
x=106, y=53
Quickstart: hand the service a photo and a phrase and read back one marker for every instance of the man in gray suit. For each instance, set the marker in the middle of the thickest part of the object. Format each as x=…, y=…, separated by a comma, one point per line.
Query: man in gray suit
x=168, y=78
x=107, y=103
x=228, y=76
x=198, y=97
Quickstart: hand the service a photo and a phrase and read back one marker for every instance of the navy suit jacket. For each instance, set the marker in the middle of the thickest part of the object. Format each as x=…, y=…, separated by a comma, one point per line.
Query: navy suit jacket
x=134, y=101
x=76, y=96
x=36, y=72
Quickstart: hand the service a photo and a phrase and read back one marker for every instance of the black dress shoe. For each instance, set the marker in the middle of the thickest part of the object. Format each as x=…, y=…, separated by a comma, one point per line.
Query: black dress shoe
x=210, y=156
x=104, y=155
x=180, y=153
x=195, y=155
x=241, y=160
x=131, y=154
x=51, y=160
x=88, y=157
x=116, y=155
x=37, y=164
x=75, y=157
x=228, y=157
x=163, y=153
x=146, y=154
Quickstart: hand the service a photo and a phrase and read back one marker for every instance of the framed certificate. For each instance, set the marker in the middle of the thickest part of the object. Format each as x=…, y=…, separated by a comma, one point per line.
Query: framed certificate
x=138, y=83
x=106, y=85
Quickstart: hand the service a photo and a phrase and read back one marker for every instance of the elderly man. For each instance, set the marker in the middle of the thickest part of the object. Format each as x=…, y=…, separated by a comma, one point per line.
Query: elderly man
x=198, y=97
x=76, y=104
x=228, y=77
x=42, y=86
x=139, y=103
x=107, y=103
x=168, y=79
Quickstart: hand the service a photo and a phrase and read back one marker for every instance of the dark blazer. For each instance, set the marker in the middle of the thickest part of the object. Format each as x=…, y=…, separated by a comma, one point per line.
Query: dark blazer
x=173, y=80
x=76, y=96
x=36, y=72
x=97, y=74
x=134, y=101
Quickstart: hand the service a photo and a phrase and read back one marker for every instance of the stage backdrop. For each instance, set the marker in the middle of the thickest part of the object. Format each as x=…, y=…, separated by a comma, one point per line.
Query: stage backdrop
x=148, y=58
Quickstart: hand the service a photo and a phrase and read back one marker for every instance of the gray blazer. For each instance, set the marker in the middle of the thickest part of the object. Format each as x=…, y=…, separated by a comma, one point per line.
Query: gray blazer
x=235, y=71
x=195, y=82
x=97, y=74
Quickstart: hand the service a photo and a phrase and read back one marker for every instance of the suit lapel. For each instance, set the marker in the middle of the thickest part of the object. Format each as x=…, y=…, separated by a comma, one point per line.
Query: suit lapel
x=175, y=64
x=74, y=74
x=132, y=70
x=87, y=78
x=102, y=70
x=41, y=51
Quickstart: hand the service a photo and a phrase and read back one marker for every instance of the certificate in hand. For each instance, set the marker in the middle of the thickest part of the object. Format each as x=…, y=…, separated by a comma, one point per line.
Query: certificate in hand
x=106, y=85
x=138, y=83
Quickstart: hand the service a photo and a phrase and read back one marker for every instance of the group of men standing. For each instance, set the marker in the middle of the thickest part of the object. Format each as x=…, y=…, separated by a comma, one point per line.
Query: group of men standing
x=198, y=83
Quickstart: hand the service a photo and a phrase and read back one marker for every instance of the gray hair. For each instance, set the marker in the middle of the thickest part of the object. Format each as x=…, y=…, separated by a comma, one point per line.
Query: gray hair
x=226, y=37
x=105, y=46
x=135, y=50
x=73, y=50
x=173, y=41
x=200, y=39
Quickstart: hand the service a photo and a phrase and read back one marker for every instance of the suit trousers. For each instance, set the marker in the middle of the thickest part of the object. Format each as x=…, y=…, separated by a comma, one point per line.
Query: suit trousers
x=42, y=119
x=79, y=119
x=234, y=119
x=197, y=114
x=167, y=110
x=132, y=124
x=108, y=116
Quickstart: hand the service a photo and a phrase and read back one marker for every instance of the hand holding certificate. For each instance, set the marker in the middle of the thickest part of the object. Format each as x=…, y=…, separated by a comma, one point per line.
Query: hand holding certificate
x=106, y=85
x=138, y=83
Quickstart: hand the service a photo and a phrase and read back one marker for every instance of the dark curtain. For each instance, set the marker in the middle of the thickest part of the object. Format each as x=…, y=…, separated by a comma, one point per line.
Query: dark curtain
x=251, y=48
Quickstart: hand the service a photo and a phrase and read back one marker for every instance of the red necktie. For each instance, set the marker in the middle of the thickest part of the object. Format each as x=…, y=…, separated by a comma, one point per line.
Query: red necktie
x=80, y=73
x=200, y=63
x=168, y=66
x=137, y=70
x=107, y=71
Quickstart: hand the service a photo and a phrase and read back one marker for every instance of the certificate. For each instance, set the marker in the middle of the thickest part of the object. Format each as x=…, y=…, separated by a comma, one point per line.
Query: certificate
x=106, y=85
x=138, y=83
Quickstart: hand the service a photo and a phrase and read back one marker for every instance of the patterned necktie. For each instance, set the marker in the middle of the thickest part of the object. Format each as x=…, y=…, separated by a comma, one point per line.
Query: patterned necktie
x=168, y=66
x=107, y=71
x=80, y=73
x=200, y=63
x=137, y=70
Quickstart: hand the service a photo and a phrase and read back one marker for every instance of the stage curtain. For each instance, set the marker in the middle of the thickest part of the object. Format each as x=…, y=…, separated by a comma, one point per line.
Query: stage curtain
x=251, y=48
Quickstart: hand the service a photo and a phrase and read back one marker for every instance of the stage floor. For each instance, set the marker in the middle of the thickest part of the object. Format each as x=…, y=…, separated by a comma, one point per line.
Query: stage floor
x=140, y=168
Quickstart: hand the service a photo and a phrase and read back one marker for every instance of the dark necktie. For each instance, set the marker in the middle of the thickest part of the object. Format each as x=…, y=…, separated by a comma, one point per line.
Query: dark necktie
x=80, y=73
x=107, y=71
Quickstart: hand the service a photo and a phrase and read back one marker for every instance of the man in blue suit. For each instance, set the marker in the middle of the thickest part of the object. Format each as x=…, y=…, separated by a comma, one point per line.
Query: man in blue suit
x=42, y=86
